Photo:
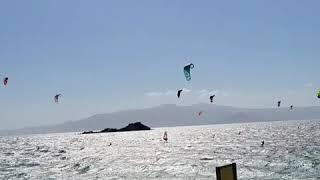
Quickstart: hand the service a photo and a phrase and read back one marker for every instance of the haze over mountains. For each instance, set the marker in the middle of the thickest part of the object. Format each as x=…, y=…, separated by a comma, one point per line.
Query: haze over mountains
x=172, y=115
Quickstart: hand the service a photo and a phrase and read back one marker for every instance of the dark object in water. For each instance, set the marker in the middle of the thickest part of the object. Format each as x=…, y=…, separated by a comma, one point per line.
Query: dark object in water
x=84, y=169
x=138, y=126
x=165, y=136
x=262, y=143
x=207, y=159
x=9, y=153
x=62, y=151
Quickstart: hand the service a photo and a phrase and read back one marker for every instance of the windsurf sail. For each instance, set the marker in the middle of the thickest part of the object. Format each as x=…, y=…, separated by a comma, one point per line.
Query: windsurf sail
x=165, y=136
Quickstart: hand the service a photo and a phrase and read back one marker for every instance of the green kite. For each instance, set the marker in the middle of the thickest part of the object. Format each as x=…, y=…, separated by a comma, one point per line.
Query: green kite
x=187, y=72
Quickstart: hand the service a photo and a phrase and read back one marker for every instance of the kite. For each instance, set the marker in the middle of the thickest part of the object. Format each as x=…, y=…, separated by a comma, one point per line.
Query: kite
x=187, y=72
x=179, y=93
x=5, y=81
x=56, y=98
x=279, y=103
x=211, y=98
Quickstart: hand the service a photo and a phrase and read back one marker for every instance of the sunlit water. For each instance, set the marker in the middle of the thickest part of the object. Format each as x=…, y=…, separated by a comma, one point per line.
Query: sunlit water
x=291, y=151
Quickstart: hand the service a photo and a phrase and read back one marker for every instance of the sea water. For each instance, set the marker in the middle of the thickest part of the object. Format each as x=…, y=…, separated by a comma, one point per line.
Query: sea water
x=291, y=151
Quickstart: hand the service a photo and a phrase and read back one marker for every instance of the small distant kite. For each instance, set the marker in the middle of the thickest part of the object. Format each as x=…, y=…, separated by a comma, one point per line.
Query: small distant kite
x=187, y=72
x=5, y=81
x=56, y=98
x=211, y=98
x=179, y=93
x=279, y=103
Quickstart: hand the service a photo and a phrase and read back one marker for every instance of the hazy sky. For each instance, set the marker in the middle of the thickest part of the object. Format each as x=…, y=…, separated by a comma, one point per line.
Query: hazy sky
x=105, y=56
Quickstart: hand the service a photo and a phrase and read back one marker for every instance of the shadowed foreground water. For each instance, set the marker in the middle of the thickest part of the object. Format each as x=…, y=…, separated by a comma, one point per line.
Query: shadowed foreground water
x=291, y=151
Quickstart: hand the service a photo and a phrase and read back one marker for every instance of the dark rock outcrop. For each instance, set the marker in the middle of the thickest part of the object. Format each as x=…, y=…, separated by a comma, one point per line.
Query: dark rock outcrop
x=138, y=126
x=135, y=127
x=108, y=130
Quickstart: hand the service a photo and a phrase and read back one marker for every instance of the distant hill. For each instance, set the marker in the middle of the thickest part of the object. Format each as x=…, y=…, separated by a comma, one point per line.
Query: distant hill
x=172, y=115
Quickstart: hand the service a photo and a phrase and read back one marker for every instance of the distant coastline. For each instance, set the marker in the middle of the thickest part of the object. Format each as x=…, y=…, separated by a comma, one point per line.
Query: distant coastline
x=171, y=115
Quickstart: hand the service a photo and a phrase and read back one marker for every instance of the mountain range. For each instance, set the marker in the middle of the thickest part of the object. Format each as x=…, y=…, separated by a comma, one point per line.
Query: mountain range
x=170, y=115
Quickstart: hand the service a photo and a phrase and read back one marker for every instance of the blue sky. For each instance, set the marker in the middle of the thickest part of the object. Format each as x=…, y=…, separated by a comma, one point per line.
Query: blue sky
x=105, y=56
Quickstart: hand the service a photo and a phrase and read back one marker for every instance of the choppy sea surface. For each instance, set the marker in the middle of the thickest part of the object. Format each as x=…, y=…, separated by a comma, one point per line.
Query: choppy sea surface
x=291, y=151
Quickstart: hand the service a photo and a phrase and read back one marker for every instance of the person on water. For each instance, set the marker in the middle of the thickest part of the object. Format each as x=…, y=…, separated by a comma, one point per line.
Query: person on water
x=165, y=136
x=262, y=143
